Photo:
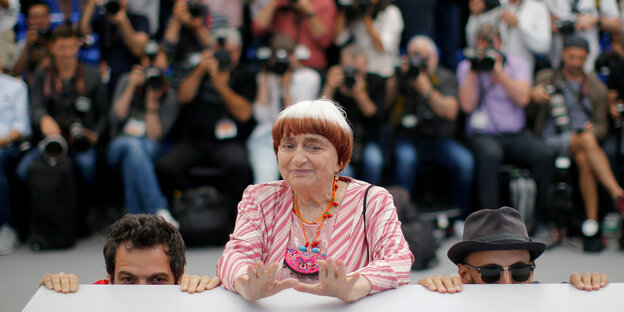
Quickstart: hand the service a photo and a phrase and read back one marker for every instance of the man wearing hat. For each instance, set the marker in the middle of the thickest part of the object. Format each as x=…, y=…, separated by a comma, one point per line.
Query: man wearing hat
x=575, y=127
x=496, y=249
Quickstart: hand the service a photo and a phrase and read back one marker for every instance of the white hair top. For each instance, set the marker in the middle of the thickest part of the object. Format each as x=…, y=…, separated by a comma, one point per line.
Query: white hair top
x=321, y=109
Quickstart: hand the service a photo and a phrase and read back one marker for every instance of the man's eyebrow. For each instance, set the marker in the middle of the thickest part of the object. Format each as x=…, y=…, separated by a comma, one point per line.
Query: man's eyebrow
x=126, y=273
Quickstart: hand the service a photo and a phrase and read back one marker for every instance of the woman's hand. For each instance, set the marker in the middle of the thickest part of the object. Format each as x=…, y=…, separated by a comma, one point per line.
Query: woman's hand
x=259, y=282
x=334, y=282
x=196, y=284
x=589, y=281
x=443, y=284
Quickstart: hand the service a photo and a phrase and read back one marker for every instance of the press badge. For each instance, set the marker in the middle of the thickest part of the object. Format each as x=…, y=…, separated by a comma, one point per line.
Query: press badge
x=135, y=127
x=409, y=121
x=225, y=129
x=479, y=120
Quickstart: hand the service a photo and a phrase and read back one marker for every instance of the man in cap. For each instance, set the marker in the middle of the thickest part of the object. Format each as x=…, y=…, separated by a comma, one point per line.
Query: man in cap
x=496, y=248
x=574, y=128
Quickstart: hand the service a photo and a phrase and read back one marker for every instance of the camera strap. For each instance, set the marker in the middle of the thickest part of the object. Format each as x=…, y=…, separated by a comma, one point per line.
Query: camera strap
x=482, y=106
x=580, y=95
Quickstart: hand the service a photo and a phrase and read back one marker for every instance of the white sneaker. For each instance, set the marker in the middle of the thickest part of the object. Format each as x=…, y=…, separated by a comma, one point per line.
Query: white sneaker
x=8, y=239
x=165, y=214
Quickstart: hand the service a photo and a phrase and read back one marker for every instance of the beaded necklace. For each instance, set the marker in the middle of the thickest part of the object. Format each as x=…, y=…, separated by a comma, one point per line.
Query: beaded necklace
x=321, y=218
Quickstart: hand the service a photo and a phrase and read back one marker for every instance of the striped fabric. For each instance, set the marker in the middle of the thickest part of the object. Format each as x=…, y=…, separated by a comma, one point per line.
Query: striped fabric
x=263, y=229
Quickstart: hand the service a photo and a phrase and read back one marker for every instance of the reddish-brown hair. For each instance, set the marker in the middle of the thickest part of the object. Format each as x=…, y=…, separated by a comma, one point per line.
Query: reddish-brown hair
x=335, y=128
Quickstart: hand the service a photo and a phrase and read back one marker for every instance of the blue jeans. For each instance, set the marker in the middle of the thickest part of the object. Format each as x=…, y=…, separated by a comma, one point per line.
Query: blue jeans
x=83, y=161
x=447, y=153
x=136, y=157
x=8, y=155
x=371, y=168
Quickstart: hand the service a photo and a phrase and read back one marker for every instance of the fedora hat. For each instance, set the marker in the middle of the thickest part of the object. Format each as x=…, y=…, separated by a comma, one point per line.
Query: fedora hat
x=494, y=229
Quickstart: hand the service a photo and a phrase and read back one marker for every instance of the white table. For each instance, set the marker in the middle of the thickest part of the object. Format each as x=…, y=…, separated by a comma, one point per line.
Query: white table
x=482, y=298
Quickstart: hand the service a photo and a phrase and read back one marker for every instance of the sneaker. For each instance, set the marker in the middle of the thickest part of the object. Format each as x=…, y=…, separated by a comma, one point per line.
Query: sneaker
x=165, y=214
x=8, y=239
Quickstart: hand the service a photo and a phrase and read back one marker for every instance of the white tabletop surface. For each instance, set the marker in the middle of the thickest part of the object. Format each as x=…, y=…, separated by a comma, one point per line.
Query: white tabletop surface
x=482, y=298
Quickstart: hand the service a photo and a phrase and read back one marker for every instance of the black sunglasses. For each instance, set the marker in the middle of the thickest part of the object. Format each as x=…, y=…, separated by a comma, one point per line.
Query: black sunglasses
x=491, y=273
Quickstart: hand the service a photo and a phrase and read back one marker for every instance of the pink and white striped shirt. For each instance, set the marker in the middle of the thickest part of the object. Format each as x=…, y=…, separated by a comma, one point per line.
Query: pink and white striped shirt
x=265, y=219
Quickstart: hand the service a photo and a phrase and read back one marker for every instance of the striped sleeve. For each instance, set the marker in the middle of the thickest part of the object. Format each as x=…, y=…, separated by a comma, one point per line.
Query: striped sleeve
x=246, y=243
x=391, y=256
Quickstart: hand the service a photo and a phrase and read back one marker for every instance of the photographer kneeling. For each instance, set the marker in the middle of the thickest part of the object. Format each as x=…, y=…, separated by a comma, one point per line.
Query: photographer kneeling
x=428, y=110
x=144, y=110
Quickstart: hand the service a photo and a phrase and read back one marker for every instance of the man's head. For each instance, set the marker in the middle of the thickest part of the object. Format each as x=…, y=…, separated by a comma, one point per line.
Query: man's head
x=495, y=248
x=488, y=36
x=38, y=15
x=425, y=48
x=574, y=55
x=144, y=249
x=64, y=45
x=354, y=55
x=229, y=38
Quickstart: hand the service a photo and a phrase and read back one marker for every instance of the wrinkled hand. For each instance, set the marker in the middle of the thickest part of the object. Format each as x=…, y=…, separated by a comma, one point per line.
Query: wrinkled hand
x=196, y=284
x=334, y=282
x=62, y=282
x=589, y=281
x=443, y=284
x=259, y=282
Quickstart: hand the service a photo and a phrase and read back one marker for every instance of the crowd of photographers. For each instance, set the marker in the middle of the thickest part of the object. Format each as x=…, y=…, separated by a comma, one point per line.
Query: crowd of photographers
x=152, y=89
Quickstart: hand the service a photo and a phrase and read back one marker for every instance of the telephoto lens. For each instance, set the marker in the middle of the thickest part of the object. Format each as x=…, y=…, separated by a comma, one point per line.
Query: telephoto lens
x=350, y=73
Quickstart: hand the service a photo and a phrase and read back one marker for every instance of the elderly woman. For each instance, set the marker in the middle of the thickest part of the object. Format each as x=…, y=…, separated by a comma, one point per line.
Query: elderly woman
x=315, y=231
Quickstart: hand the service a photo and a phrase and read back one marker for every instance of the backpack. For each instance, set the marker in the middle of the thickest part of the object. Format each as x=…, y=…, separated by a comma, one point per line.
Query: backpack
x=205, y=216
x=418, y=232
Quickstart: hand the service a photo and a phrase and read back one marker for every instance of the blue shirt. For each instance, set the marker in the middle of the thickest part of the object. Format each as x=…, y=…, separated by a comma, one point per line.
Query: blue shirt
x=13, y=106
x=503, y=115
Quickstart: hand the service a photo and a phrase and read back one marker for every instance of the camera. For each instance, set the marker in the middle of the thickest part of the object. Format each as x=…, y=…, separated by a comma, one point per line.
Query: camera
x=485, y=62
x=565, y=27
x=77, y=138
x=154, y=78
x=558, y=109
x=53, y=150
x=111, y=7
x=276, y=61
x=416, y=65
x=196, y=8
x=350, y=73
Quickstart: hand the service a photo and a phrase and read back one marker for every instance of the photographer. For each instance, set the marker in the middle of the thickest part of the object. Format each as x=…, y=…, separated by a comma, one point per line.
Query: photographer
x=186, y=35
x=362, y=94
x=582, y=18
x=577, y=126
x=122, y=35
x=427, y=122
x=33, y=50
x=68, y=98
x=493, y=91
x=215, y=120
x=144, y=110
x=310, y=23
x=282, y=81
x=374, y=25
x=524, y=26
x=14, y=126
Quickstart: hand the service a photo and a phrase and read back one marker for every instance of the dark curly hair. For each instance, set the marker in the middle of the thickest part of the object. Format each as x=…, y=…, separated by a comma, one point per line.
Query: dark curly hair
x=145, y=231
